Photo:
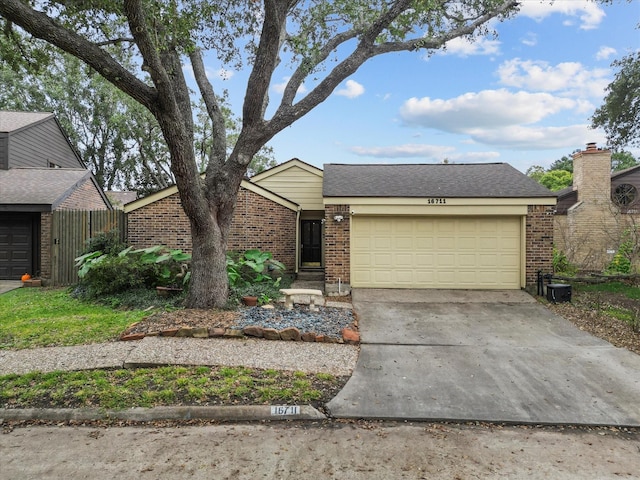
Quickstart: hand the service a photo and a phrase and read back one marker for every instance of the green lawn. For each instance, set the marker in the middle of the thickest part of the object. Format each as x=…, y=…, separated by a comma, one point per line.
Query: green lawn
x=629, y=291
x=38, y=317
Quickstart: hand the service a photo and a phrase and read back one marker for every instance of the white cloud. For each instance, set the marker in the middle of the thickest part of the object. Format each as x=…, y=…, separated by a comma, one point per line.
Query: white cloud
x=352, y=89
x=588, y=12
x=464, y=47
x=488, y=108
x=530, y=39
x=280, y=87
x=567, y=78
x=605, y=52
x=410, y=150
x=538, y=138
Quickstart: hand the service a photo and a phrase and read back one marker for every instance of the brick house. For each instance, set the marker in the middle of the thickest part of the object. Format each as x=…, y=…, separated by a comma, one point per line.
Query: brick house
x=594, y=213
x=477, y=226
x=262, y=220
x=40, y=173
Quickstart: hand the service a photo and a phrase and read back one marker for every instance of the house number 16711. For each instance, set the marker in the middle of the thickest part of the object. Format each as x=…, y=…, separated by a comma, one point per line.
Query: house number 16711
x=285, y=410
x=436, y=201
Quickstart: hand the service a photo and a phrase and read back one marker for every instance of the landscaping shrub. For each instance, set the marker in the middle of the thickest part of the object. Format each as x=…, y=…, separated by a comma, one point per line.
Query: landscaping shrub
x=621, y=261
x=254, y=273
x=561, y=263
x=106, y=242
x=104, y=274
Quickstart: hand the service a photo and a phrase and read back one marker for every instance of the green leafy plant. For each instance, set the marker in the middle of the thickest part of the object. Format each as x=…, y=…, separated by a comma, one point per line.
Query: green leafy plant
x=107, y=273
x=107, y=242
x=254, y=273
x=561, y=263
x=252, y=267
x=621, y=262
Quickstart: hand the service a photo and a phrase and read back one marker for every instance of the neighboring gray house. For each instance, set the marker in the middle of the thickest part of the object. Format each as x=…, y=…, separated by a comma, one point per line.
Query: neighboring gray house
x=40, y=172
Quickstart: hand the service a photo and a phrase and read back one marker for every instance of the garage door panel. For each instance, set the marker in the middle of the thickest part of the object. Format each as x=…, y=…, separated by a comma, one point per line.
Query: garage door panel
x=436, y=252
x=15, y=245
x=403, y=243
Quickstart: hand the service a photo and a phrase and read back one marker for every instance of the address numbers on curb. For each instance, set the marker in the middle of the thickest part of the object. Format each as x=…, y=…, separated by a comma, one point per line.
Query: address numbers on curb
x=285, y=410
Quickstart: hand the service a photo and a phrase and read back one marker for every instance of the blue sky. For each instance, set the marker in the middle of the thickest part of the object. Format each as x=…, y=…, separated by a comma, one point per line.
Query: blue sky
x=524, y=98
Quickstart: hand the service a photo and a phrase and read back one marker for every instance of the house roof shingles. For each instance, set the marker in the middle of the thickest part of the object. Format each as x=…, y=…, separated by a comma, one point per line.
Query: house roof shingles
x=490, y=180
x=11, y=121
x=38, y=186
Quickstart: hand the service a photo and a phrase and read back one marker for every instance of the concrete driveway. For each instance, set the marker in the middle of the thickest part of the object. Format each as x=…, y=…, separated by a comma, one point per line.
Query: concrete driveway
x=486, y=356
x=8, y=285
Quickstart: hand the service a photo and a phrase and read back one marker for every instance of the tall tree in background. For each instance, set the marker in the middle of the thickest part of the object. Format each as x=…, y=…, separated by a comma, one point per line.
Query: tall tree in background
x=324, y=43
x=118, y=138
x=619, y=116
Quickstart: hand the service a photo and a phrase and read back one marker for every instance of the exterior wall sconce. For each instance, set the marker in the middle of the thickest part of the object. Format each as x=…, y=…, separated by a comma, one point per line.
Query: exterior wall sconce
x=338, y=218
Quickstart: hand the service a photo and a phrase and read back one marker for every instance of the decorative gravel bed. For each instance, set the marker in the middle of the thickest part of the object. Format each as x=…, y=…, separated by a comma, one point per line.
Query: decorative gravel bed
x=328, y=324
x=327, y=321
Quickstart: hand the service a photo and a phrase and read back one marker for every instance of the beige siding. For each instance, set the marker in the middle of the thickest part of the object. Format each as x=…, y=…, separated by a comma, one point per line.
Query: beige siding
x=436, y=252
x=296, y=184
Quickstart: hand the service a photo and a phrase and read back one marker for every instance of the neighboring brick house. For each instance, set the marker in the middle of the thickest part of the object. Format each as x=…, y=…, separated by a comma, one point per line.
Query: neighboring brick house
x=478, y=226
x=40, y=173
x=594, y=213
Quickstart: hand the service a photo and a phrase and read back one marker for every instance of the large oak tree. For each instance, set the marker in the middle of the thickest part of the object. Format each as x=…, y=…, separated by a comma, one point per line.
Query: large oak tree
x=164, y=35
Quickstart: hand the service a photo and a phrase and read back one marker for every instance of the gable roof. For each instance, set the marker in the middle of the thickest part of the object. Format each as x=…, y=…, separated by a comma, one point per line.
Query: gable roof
x=626, y=171
x=154, y=197
x=294, y=162
x=492, y=180
x=41, y=189
x=12, y=121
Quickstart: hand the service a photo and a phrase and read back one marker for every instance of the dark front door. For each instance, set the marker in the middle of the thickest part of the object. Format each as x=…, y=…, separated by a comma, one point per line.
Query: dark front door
x=16, y=243
x=311, y=243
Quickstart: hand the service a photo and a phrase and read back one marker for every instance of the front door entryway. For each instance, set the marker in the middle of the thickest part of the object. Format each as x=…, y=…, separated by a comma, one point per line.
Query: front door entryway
x=311, y=233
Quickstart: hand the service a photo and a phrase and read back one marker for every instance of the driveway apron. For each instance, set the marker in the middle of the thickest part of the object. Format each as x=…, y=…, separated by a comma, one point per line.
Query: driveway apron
x=494, y=356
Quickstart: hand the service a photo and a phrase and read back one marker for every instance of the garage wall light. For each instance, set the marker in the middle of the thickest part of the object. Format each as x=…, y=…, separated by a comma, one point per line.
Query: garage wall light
x=338, y=218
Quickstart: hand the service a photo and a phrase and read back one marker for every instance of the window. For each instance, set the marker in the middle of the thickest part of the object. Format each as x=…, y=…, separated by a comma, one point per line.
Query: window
x=625, y=194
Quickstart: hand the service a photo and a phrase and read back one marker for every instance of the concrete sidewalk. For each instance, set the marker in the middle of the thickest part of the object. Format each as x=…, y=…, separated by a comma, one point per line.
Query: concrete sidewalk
x=336, y=359
x=483, y=356
x=8, y=285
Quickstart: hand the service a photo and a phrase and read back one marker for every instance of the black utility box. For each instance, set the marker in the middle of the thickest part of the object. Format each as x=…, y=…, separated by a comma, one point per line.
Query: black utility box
x=558, y=292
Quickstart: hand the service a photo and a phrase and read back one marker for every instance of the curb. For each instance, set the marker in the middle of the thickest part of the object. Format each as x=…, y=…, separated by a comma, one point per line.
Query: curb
x=241, y=413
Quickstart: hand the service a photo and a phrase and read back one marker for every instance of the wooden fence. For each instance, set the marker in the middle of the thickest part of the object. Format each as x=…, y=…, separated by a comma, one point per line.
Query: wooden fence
x=70, y=230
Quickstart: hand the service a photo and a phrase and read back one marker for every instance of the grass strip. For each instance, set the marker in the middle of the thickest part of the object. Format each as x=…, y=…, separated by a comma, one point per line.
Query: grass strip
x=166, y=386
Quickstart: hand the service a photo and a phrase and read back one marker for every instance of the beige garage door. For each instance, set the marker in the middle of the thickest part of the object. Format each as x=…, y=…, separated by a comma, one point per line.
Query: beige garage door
x=435, y=252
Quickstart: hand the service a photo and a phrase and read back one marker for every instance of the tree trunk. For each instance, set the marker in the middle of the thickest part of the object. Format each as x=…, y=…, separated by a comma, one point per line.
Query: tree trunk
x=209, y=286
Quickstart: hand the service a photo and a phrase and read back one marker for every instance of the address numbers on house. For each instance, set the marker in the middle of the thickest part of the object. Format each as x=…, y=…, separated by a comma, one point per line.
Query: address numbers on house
x=436, y=201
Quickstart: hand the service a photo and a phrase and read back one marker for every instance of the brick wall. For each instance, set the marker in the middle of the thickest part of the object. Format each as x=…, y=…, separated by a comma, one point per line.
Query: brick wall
x=539, y=241
x=595, y=224
x=85, y=197
x=337, y=246
x=258, y=223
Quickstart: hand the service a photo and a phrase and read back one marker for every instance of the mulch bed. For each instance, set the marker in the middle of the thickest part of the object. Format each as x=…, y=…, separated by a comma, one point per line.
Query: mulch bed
x=587, y=312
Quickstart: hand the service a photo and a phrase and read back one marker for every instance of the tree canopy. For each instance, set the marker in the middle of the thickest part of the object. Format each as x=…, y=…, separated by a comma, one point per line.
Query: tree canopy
x=318, y=42
x=619, y=115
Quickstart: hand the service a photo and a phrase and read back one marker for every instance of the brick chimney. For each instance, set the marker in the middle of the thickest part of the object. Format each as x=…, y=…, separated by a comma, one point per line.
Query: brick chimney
x=592, y=175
